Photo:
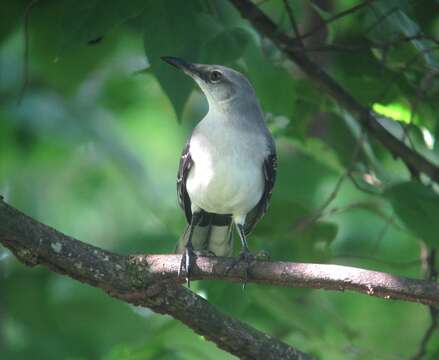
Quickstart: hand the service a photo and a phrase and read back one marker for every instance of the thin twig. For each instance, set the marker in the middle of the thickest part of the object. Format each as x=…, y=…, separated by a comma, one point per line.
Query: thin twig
x=261, y=2
x=319, y=212
x=363, y=205
x=380, y=19
x=334, y=18
x=385, y=47
x=403, y=38
x=404, y=69
x=427, y=336
x=431, y=276
x=381, y=234
x=432, y=271
x=25, y=70
x=293, y=22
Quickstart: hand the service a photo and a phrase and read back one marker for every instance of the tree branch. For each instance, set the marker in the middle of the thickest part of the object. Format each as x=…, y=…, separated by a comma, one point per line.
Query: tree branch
x=152, y=281
x=130, y=276
x=367, y=118
x=142, y=280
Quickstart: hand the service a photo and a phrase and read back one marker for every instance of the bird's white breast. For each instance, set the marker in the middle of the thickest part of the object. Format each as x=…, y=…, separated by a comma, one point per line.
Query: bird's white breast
x=227, y=176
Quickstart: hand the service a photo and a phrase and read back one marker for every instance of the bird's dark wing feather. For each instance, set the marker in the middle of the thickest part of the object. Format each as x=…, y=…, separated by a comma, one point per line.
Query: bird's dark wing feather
x=269, y=171
x=185, y=166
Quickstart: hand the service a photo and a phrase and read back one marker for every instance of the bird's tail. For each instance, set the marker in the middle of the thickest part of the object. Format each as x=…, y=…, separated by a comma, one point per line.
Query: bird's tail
x=217, y=239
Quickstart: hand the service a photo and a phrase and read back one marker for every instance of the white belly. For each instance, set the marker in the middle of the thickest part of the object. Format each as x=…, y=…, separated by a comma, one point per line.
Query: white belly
x=227, y=176
x=225, y=189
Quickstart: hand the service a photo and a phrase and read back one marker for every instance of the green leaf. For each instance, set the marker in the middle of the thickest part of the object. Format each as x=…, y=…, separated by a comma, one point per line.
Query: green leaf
x=89, y=20
x=13, y=10
x=273, y=84
x=418, y=207
x=226, y=47
x=400, y=22
x=340, y=138
x=186, y=32
x=324, y=14
x=171, y=28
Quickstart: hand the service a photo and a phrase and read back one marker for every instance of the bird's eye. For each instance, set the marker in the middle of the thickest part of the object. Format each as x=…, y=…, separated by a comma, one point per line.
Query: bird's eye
x=215, y=76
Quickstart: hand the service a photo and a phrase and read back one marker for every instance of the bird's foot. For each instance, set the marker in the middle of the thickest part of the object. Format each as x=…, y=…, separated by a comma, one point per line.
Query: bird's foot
x=187, y=263
x=246, y=257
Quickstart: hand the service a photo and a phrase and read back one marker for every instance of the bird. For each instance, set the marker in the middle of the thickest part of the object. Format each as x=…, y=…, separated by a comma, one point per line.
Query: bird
x=228, y=166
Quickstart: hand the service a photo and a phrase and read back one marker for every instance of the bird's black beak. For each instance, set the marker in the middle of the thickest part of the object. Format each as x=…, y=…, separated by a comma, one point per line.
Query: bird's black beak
x=187, y=67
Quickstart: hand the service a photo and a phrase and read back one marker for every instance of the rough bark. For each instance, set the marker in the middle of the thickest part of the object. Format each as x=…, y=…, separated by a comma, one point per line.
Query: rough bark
x=139, y=280
x=152, y=281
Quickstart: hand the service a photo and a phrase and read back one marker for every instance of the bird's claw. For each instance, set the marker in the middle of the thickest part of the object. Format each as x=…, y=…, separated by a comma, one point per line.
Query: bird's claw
x=187, y=262
x=248, y=258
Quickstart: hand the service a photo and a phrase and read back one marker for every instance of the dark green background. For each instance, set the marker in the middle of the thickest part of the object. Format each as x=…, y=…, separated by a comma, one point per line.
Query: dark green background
x=93, y=147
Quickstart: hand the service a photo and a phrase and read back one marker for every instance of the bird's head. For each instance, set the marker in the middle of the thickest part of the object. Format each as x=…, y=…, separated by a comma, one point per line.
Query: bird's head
x=220, y=85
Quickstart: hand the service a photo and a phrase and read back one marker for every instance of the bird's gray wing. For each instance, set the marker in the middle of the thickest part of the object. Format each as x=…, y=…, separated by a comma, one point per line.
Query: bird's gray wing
x=269, y=171
x=185, y=166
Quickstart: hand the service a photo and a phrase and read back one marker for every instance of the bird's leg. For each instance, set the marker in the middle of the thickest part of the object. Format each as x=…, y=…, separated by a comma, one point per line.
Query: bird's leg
x=245, y=253
x=188, y=257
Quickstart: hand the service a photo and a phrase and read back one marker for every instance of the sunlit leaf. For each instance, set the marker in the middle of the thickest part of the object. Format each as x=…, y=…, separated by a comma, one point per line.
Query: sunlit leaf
x=395, y=111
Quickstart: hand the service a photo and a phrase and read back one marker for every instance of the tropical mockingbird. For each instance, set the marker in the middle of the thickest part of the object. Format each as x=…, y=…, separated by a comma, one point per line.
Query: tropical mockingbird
x=228, y=166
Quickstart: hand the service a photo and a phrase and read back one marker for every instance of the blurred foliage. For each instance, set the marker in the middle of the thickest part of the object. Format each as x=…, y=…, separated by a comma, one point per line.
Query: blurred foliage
x=93, y=146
